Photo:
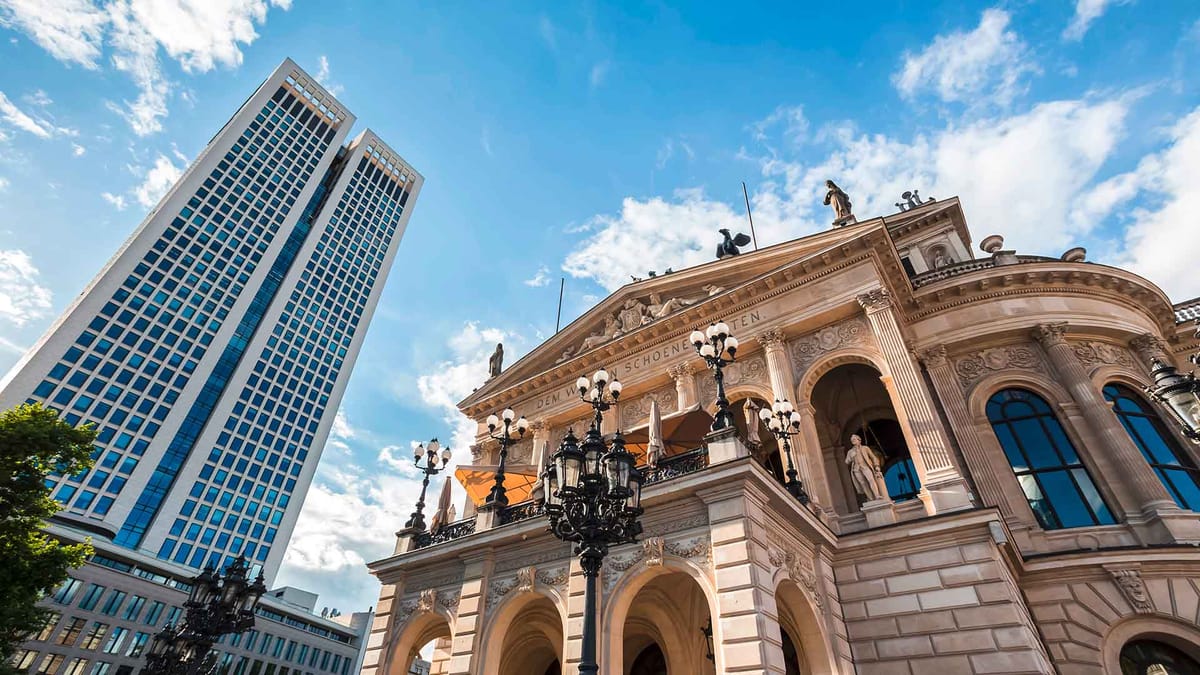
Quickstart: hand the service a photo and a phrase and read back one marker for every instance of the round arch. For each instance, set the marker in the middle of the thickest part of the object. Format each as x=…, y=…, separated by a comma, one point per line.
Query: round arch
x=620, y=600
x=417, y=631
x=803, y=623
x=1038, y=383
x=1182, y=636
x=819, y=368
x=1119, y=374
x=515, y=626
x=741, y=390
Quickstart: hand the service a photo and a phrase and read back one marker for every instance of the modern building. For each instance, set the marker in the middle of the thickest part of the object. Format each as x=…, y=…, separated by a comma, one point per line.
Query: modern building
x=212, y=351
x=107, y=612
x=1031, y=511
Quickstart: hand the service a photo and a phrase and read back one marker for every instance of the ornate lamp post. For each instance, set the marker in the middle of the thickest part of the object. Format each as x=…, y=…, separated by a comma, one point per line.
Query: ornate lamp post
x=593, y=498
x=431, y=468
x=218, y=605
x=1179, y=393
x=784, y=422
x=713, y=344
x=497, y=497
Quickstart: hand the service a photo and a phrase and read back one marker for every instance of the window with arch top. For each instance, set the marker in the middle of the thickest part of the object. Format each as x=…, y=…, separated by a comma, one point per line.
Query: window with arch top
x=1057, y=485
x=1177, y=473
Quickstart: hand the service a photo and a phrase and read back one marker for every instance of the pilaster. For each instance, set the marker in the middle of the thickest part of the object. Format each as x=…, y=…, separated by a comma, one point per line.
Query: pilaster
x=376, y=658
x=810, y=456
x=541, y=441
x=940, y=479
x=465, y=658
x=685, y=385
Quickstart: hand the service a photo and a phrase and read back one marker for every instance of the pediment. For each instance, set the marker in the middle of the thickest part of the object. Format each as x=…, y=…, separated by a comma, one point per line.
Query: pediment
x=640, y=305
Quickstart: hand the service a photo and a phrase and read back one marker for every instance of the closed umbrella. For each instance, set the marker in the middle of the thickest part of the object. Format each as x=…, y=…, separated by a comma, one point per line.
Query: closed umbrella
x=654, y=447
x=442, y=516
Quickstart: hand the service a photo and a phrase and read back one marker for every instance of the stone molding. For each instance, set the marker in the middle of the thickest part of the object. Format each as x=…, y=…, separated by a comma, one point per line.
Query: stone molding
x=933, y=357
x=653, y=551
x=636, y=410
x=974, y=366
x=428, y=600
x=807, y=349
x=1150, y=345
x=680, y=371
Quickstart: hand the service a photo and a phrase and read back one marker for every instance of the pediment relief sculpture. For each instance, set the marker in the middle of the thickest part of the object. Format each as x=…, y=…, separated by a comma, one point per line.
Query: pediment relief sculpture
x=633, y=314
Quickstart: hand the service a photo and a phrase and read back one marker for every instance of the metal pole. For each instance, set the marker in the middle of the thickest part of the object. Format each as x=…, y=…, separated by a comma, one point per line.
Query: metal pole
x=749, y=215
x=562, y=281
x=591, y=571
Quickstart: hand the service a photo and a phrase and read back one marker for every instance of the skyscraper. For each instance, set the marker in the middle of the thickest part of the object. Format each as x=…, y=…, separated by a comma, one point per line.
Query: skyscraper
x=212, y=351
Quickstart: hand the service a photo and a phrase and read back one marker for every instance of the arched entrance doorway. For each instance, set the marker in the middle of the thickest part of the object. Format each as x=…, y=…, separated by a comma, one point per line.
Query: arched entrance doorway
x=427, y=635
x=651, y=661
x=806, y=651
x=851, y=399
x=1151, y=657
x=524, y=637
x=657, y=618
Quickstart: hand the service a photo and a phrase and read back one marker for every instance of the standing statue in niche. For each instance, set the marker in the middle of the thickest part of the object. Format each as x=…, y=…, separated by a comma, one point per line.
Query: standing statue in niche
x=751, y=410
x=840, y=201
x=496, y=361
x=866, y=469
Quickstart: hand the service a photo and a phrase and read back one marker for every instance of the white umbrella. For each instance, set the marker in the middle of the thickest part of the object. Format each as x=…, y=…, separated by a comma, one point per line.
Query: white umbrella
x=654, y=447
x=442, y=516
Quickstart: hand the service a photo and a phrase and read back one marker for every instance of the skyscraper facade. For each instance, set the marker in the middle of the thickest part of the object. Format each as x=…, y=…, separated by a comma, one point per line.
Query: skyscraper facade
x=212, y=351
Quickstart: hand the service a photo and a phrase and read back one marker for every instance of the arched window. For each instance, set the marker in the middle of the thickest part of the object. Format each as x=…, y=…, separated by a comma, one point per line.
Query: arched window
x=1057, y=485
x=1149, y=657
x=1177, y=473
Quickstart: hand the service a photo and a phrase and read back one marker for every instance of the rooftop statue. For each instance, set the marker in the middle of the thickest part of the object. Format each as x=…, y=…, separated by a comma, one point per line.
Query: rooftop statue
x=496, y=360
x=730, y=245
x=840, y=201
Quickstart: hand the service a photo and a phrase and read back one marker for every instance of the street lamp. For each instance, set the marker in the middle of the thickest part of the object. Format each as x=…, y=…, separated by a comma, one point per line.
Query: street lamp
x=1179, y=393
x=497, y=496
x=431, y=468
x=712, y=344
x=593, y=498
x=784, y=422
x=217, y=605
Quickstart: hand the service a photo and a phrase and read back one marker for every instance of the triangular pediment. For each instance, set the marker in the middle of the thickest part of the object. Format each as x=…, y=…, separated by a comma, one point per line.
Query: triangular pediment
x=641, y=305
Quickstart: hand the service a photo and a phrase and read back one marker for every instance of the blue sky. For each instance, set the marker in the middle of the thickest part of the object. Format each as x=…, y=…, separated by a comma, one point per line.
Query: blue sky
x=591, y=142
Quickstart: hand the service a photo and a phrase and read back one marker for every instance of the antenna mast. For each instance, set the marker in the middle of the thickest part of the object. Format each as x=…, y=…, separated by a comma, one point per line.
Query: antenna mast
x=749, y=215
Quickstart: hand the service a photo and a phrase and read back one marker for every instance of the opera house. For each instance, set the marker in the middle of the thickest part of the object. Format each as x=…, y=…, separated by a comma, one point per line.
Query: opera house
x=1013, y=502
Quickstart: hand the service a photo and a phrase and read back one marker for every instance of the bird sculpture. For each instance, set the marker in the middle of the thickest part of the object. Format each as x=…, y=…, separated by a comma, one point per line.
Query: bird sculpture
x=730, y=246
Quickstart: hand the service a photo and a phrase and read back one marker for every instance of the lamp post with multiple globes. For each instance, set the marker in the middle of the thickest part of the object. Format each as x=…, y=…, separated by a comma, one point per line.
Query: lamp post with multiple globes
x=217, y=605
x=435, y=463
x=593, y=498
x=498, y=498
x=784, y=422
x=712, y=345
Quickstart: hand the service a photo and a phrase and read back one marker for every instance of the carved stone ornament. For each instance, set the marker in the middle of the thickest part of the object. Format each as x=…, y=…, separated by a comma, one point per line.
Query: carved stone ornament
x=971, y=367
x=521, y=452
x=633, y=314
x=1101, y=353
x=807, y=349
x=476, y=452
x=498, y=589
x=693, y=548
x=652, y=551
x=405, y=610
x=800, y=569
x=683, y=370
x=1049, y=334
x=934, y=357
x=749, y=371
x=634, y=411
x=1150, y=346
x=772, y=337
x=557, y=577
x=427, y=600
x=875, y=300
x=450, y=599
x=1133, y=588
x=526, y=578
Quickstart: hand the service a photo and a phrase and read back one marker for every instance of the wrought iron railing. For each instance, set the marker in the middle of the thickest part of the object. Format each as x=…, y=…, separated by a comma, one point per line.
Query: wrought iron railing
x=967, y=266
x=525, y=510
x=449, y=532
x=673, y=467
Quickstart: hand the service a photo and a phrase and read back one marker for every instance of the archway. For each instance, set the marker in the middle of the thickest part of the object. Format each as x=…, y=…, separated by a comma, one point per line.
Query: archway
x=1152, y=657
x=806, y=647
x=427, y=633
x=525, y=635
x=664, y=606
x=851, y=399
x=650, y=661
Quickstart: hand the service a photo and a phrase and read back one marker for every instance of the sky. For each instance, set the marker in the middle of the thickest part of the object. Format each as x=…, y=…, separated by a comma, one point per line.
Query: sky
x=590, y=142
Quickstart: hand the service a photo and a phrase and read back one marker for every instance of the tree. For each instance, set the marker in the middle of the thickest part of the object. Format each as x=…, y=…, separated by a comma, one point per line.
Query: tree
x=33, y=443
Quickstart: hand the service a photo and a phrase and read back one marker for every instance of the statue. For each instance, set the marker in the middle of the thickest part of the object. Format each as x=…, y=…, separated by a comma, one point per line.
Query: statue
x=940, y=259
x=840, y=201
x=658, y=309
x=751, y=409
x=866, y=470
x=729, y=247
x=496, y=361
x=633, y=315
x=713, y=289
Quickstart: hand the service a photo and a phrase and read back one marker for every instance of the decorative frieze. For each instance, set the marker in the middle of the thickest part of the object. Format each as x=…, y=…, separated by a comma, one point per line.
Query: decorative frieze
x=1094, y=353
x=752, y=370
x=974, y=366
x=806, y=349
x=637, y=410
x=556, y=577
x=653, y=550
x=801, y=569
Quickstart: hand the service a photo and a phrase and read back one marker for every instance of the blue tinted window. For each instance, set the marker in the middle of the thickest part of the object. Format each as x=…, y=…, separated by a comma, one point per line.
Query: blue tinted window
x=1173, y=467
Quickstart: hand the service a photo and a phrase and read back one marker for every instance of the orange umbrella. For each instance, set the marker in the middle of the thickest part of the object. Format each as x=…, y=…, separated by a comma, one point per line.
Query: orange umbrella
x=478, y=480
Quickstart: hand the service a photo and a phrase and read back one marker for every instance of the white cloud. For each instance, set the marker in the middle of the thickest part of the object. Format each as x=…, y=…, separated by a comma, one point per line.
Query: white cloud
x=78, y=150
x=1162, y=239
x=790, y=119
x=598, y=73
x=1036, y=204
x=540, y=279
x=71, y=30
x=117, y=201
x=198, y=35
x=323, y=76
x=3, y=183
x=38, y=98
x=25, y=122
x=158, y=181
x=548, y=32
x=22, y=297
x=1087, y=11
x=452, y=380
x=987, y=62
x=341, y=428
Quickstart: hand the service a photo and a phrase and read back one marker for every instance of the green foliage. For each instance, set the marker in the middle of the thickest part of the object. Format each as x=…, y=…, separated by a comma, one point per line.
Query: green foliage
x=33, y=443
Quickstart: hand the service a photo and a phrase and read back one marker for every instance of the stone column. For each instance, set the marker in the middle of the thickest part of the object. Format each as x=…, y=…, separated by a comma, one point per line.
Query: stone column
x=985, y=466
x=541, y=441
x=1148, y=347
x=783, y=386
x=1127, y=463
x=746, y=628
x=807, y=448
x=685, y=385
x=940, y=479
x=465, y=658
x=573, y=636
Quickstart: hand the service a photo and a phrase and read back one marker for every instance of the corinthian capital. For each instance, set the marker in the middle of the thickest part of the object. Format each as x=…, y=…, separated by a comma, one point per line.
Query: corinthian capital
x=771, y=337
x=680, y=371
x=875, y=300
x=1149, y=346
x=1048, y=334
x=933, y=356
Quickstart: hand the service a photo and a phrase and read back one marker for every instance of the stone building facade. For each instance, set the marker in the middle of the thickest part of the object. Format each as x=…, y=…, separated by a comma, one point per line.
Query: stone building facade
x=1039, y=514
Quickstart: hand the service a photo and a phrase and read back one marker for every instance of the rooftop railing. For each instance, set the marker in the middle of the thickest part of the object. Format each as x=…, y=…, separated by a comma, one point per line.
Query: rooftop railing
x=968, y=266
